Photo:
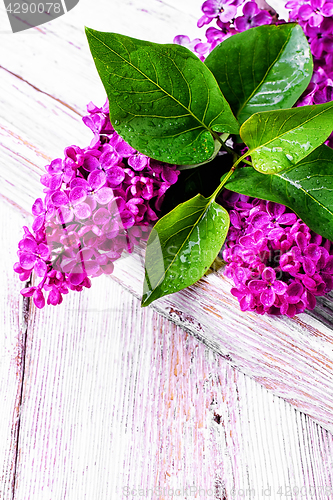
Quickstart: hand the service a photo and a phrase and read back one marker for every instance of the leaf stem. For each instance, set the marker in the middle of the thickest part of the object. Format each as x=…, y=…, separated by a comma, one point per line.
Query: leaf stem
x=221, y=139
x=247, y=162
x=229, y=174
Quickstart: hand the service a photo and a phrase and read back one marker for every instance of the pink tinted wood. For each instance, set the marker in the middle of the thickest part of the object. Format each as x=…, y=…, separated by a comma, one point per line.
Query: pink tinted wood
x=292, y=358
x=118, y=399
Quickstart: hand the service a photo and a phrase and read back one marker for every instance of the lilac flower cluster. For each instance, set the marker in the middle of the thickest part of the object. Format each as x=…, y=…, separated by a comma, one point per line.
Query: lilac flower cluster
x=277, y=263
x=224, y=12
x=315, y=17
x=99, y=202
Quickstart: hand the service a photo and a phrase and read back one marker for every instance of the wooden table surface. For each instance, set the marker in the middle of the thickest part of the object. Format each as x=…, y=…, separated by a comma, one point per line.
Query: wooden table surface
x=99, y=398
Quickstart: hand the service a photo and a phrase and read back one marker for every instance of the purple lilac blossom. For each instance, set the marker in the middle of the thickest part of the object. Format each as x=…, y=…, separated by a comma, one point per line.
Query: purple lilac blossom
x=253, y=16
x=320, y=38
x=315, y=17
x=99, y=202
x=315, y=11
x=278, y=265
x=224, y=10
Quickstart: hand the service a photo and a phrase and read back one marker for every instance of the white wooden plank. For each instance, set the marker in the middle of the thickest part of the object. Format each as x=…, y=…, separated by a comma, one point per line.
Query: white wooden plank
x=118, y=397
x=34, y=128
x=293, y=358
x=48, y=76
x=12, y=345
x=55, y=56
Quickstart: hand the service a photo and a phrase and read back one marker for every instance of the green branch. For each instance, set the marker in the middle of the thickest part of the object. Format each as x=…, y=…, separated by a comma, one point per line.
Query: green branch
x=229, y=174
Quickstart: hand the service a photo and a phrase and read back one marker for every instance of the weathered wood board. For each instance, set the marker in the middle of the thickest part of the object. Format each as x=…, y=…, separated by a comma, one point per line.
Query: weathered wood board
x=291, y=357
x=47, y=77
x=108, y=399
x=117, y=398
x=13, y=331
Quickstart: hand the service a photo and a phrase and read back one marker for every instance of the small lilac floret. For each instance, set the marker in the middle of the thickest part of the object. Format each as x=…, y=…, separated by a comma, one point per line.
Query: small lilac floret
x=315, y=12
x=224, y=10
x=253, y=16
x=196, y=45
x=271, y=236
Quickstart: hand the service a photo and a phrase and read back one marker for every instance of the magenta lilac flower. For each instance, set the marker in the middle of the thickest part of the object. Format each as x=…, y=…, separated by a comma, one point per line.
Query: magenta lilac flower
x=99, y=202
x=278, y=265
x=315, y=11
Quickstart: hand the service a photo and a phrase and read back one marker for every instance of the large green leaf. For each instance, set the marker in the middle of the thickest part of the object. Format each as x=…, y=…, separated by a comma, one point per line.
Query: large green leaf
x=182, y=246
x=278, y=140
x=306, y=188
x=163, y=100
x=262, y=69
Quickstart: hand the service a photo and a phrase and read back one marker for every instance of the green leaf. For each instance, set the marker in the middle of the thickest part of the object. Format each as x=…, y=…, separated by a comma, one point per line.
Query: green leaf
x=217, y=147
x=262, y=69
x=277, y=140
x=163, y=100
x=182, y=246
x=306, y=188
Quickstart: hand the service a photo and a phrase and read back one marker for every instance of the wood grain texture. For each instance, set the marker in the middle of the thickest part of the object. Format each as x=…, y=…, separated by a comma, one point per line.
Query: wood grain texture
x=291, y=357
x=12, y=346
x=107, y=396
x=117, y=397
x=47, y=78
